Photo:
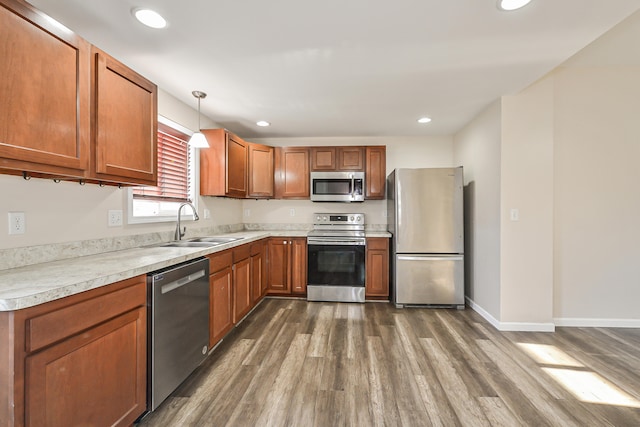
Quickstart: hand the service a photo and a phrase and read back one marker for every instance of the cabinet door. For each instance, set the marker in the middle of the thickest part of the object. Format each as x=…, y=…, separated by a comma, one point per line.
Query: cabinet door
x=350, y=159
x=377, y=268
x=125, y=123
x=260, y=171
x=375, y=176
x=241, y=289
x=292, y=173
x=44, y=95
x=278, y=266
x=323, y=158
x=63, y=387
x=236, y=167
x=220, y=305
x=257, y=277
x=298, y=265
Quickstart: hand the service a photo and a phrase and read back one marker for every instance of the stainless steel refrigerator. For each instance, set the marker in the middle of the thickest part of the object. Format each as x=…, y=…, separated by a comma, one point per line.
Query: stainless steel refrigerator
x=425, y=216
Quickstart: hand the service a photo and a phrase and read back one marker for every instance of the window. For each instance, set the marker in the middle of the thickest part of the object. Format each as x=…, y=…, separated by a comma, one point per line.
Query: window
x=176, y=178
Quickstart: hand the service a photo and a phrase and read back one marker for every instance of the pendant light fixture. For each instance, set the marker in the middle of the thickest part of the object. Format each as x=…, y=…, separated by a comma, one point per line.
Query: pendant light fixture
x=198, y=140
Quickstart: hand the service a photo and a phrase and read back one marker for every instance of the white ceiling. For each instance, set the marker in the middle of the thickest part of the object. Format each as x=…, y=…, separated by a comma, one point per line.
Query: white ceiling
x=342, y=67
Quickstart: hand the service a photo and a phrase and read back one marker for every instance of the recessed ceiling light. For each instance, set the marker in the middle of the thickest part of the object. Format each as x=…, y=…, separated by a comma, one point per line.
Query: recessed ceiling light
x=150, y=18
x=263, y=123
x=512, y=4
x=424, y=120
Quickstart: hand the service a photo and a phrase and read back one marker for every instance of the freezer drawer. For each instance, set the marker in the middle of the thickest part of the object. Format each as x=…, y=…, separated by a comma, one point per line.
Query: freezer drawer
x=429, y=279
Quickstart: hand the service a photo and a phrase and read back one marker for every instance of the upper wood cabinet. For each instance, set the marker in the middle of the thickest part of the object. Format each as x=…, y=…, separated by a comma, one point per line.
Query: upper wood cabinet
x=261, y=172
x=350, y=159
x=124, y=123
x=292, y=173
x=44, y=93
x=375, y=175
x=345, y=158
x=69, y=110
x=223, y=166
x=323, y=159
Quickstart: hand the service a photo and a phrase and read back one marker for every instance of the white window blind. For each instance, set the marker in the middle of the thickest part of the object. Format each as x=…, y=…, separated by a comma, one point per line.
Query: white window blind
x=173, y=169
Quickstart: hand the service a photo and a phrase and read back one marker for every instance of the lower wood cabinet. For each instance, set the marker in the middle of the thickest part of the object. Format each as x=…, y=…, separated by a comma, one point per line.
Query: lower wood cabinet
x=236, y=284
x=241, y=283
x=287, y=266
x=220, y=296
x=377, y=268
x=257, y=267
x=80, y=360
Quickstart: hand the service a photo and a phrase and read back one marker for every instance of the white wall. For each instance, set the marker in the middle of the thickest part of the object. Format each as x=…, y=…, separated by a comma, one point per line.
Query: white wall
x=477, y=148
x=526, y=244
x=597, y=202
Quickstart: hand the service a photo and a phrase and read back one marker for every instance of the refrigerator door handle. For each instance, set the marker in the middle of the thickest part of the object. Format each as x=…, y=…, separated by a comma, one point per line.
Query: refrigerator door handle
x=431, y=258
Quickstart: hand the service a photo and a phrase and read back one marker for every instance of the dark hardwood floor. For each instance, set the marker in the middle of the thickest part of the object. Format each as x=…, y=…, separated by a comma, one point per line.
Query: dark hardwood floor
x=295, y=363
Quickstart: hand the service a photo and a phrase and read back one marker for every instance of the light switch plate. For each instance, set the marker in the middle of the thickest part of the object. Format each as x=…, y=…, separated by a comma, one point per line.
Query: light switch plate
x=514, y=214
x=207, y=214
x=17, y=223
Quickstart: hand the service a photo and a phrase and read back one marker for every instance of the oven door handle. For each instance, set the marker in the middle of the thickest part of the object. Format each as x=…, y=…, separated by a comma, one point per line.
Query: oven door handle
x=340, y=242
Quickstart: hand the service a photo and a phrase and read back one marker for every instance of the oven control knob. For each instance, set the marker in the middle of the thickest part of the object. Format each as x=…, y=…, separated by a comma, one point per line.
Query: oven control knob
x=318, y=218
x=351, y=218
x=324, y=218
x=358, y=218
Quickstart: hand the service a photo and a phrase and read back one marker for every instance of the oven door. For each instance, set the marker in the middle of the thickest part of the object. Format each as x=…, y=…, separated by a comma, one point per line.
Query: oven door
x=335, y=269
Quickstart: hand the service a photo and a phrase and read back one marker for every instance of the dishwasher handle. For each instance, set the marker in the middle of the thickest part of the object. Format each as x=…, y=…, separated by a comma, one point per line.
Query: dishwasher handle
x=171, y=286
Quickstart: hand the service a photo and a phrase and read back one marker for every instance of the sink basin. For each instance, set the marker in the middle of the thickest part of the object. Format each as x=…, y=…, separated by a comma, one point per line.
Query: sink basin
x=187, y=244
x=199, y=242
x=214, y=240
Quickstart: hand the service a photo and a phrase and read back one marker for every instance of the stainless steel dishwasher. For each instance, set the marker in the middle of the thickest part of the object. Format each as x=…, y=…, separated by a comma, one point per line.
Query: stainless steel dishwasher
x=178, y=307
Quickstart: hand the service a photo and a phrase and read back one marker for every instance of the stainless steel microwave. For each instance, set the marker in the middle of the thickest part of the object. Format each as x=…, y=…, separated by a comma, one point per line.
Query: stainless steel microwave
x=337, y=186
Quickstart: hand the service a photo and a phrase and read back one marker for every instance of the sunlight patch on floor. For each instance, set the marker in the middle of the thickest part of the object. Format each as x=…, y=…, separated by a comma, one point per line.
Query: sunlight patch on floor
x=549, y=355
x=584, y=384
x=590, y=387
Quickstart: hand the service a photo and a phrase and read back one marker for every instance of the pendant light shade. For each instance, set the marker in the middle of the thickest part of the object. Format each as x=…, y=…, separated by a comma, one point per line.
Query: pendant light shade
x=198, y=140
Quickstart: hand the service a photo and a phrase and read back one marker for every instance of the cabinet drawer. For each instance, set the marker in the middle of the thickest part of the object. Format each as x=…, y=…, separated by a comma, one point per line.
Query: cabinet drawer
x=240, y=253
x=257, y=247
x=219, y=261
x=56, y=325
x=377, y=243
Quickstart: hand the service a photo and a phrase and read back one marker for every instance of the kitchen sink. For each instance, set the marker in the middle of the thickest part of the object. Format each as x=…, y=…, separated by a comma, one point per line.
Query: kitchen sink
x=198, y=242
x=187, y=244
x=214, y=239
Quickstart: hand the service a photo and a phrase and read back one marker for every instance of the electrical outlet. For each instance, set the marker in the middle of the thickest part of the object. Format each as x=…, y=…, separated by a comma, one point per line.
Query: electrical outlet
x=207, y=214
x=247, y=213
x=514, y=214
x=17, y=223
x=115, y=218
x=292, y=212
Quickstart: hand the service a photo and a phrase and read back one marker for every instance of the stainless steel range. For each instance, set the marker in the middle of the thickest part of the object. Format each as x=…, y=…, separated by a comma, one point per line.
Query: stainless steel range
x=336, y=258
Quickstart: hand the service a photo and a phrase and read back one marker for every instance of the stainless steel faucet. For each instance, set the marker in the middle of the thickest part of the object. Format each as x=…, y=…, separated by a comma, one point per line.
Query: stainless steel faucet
x=180, y=232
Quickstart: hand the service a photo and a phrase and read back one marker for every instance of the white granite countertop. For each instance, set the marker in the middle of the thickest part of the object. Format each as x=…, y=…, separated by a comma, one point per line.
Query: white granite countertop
x=40, y=283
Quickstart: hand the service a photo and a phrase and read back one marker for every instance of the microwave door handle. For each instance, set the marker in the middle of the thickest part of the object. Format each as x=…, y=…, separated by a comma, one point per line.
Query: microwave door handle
x=353, y=187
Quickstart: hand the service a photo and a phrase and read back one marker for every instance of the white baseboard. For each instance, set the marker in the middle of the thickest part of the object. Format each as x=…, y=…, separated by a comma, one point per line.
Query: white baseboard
x=597, y=323
x=510, y=326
